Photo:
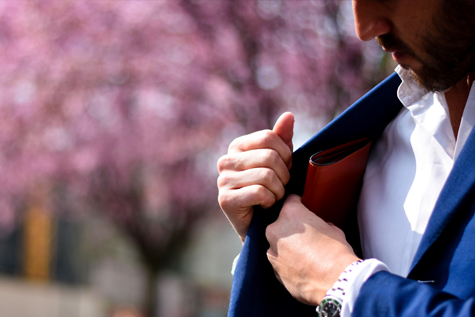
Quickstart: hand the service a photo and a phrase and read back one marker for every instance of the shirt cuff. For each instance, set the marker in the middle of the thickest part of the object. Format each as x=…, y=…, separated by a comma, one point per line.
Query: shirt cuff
x=352, y=281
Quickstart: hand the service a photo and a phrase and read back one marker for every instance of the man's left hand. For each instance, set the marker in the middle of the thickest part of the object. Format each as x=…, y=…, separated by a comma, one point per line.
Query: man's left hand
x=308, y=254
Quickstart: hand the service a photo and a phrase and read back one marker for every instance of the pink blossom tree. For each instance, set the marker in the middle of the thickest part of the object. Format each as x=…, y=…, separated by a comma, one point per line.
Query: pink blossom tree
x=123, y=106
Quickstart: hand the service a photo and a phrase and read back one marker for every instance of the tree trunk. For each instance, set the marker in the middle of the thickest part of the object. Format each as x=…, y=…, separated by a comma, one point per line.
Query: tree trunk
x=151, y=293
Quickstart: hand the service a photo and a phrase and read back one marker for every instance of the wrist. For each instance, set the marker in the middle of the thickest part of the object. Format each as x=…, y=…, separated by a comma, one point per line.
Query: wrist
x=331, y=304
x=351, y=281
x=342, y=266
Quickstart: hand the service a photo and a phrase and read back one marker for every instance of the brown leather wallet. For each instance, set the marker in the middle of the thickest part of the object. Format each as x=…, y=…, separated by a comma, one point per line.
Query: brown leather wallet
x=334, y=180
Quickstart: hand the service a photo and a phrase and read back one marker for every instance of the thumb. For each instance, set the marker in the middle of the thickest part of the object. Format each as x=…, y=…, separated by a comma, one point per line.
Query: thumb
x=284, y=127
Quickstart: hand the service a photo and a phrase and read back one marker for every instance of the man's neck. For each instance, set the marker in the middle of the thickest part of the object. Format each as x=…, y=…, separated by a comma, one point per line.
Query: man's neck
x=456, y=98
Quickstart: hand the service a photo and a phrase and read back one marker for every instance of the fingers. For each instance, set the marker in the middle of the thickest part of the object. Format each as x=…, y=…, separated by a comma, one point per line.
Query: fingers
x=241, y=199
x=293, y=199
x=293, y=218
x=255, y=171
x=306, y=253
x=255, y=159
x=264, y=177
x=293, y=209
x=277, y=276
x=238, y=205
x=293, y=214
x=284, y=128
x=265, y=139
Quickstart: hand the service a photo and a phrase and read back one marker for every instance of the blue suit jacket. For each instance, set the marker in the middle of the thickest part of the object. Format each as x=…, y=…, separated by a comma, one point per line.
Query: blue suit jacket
x=441, y=281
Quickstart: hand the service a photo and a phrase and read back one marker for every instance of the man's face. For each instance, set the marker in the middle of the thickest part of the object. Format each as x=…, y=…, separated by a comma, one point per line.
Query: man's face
x=434, y=39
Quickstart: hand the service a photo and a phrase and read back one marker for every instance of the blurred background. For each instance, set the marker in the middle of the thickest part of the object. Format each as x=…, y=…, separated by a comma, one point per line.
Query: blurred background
x=113, y=115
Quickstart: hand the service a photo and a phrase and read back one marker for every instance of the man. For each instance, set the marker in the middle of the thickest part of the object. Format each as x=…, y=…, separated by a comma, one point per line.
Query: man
x=415, y=212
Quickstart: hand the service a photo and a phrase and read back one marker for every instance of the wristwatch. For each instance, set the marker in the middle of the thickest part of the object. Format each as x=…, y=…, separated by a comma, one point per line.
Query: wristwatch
x=329, y=307
x=332, y=302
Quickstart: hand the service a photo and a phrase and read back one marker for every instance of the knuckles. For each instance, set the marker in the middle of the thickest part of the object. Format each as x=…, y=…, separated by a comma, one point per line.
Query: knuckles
x=223, y=180
x=272, y=157
x=223, y=163
x=267, y=176
x=269, y=136
x=224, y=200
x=289, y=207
x=293, y=199
x=270, y=233
x=265, y=198
x=236, y=143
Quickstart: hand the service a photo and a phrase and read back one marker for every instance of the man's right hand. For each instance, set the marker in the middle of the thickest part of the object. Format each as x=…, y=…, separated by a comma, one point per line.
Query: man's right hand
x=255, y=171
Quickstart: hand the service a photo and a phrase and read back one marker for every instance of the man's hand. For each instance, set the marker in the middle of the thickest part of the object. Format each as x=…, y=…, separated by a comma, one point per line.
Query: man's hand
x=308, y=254
x=254, y=172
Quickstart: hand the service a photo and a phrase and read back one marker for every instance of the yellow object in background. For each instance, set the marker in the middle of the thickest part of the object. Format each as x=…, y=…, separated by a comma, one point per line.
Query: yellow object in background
x=38, y=237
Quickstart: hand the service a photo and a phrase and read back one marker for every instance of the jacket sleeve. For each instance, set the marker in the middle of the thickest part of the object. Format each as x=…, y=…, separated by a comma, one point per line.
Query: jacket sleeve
x=388, y=295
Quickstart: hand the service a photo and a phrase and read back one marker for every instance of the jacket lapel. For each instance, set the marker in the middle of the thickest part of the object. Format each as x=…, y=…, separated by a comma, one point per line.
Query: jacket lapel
x=255, y=291
x=366, y=118
x=452, y=197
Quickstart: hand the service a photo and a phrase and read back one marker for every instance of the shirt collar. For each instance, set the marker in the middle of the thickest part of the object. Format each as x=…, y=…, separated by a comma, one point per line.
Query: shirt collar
x=428, y=109
x=431, y=111
x=409, y=91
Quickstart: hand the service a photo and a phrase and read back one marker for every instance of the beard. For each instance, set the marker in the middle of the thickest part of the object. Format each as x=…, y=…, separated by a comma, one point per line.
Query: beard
x=447, y=49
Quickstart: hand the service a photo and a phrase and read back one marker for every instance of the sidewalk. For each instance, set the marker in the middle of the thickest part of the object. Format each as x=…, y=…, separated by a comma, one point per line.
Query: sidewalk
x=26, y=299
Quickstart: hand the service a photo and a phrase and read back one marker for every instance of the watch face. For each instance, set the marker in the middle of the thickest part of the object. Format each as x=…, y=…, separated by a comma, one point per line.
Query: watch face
x=329, y=307
x=330, y=310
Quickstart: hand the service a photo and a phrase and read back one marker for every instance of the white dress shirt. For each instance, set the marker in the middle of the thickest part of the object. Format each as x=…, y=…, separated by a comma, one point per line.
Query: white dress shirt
x=406, y=170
